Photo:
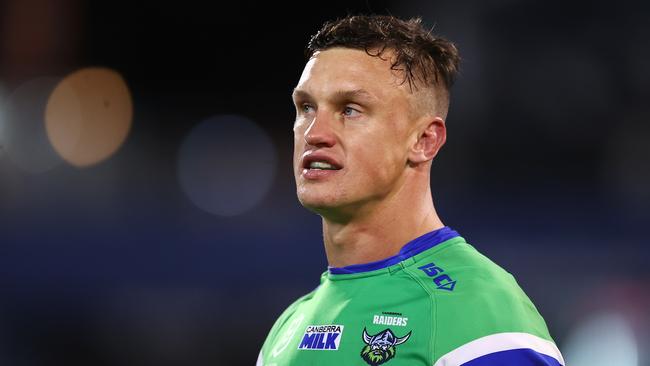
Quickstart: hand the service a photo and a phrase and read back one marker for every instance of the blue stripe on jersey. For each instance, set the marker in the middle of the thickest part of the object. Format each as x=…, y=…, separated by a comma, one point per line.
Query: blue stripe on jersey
x=514, y=357
x=415, y=246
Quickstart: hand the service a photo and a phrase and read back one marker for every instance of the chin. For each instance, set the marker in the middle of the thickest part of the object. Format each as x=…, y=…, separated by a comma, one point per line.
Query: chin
x=316, y=201
x=327, y=205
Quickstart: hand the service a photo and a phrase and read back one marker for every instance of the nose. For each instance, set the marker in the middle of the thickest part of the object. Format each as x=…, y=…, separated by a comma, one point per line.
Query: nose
x=320, y=133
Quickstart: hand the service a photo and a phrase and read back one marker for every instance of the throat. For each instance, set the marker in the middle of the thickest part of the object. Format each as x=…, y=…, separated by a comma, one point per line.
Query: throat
x=348, y=246
x=363, y=241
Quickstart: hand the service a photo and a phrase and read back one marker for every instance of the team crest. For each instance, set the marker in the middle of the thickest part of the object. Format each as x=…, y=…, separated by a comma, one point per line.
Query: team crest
x=381, y=347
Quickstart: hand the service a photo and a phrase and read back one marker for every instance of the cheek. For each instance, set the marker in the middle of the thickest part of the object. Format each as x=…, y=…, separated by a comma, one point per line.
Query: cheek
x=384, y=152
x=297, y=150
x=375, y=163
x=384, y=164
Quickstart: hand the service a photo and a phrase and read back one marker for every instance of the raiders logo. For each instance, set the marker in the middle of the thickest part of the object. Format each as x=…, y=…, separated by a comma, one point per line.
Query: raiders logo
x=381, y=347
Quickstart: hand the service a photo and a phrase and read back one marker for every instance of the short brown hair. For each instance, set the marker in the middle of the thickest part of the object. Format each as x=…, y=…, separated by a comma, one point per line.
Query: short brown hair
x=424, y=58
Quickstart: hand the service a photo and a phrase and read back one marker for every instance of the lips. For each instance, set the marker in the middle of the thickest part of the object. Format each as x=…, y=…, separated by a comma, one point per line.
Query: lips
x=317, y=165
x=319, y=160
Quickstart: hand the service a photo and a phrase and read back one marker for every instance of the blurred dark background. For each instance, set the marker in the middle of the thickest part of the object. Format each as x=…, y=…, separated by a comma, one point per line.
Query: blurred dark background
x=182, y=240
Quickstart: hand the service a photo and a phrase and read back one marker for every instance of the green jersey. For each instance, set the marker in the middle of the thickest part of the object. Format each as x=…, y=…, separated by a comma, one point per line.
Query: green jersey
x=437, y=302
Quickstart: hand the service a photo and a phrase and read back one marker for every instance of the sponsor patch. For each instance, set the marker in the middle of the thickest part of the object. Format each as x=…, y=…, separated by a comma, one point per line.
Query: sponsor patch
x=321, y=337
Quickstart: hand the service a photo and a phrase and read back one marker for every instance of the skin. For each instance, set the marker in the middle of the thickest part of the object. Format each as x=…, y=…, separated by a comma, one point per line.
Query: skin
x=353, y=108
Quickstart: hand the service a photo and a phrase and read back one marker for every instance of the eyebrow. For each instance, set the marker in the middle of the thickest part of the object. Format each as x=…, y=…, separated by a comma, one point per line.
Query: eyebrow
x=339, y=95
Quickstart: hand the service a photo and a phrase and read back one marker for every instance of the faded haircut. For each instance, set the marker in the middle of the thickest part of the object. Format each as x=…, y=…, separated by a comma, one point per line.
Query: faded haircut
x=426, y=60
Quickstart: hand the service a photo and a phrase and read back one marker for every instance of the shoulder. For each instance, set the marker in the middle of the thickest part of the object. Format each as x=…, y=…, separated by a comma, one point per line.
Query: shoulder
x=467, y=286
x=287, y=316
x=291, y=309
x=480, y=309
x=287, y=322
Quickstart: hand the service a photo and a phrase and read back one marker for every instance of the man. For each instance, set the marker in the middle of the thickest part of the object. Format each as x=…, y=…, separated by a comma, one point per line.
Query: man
x=402, y=288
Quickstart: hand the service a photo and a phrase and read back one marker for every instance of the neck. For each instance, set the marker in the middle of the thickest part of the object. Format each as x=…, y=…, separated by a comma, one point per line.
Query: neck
x=382, y=230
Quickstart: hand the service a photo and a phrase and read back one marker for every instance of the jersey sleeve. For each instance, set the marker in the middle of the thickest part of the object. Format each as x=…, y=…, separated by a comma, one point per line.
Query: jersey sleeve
x=504, y=349
x=486, y=319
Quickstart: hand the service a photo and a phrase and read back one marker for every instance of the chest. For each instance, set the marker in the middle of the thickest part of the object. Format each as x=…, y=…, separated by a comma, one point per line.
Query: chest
x=365, y=325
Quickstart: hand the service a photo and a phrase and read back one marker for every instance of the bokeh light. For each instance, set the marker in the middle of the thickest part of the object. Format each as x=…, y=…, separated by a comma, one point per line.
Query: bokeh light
x=89, y=115
x=604, y=339
x=23, y=133
x=226, y=165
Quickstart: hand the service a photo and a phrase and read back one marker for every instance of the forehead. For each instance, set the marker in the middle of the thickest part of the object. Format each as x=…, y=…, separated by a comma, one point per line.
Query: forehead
x=337, y=69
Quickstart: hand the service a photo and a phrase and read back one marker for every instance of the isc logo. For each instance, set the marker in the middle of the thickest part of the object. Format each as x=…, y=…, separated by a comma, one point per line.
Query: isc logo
x=443, y=281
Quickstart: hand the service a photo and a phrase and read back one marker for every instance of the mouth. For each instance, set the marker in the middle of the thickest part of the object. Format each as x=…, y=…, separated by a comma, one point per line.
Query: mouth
x=317, y=165
x=322, y=165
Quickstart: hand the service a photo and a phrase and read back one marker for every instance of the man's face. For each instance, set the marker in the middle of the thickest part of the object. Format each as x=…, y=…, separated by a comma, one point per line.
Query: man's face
x=352, y=131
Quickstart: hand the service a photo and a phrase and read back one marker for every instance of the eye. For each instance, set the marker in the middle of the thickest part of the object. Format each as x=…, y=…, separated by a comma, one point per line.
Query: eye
x=350, y=112
x=306, y=108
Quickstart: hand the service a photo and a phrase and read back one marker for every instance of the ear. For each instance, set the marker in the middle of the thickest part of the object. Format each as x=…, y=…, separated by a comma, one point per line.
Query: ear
x=430, y=138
